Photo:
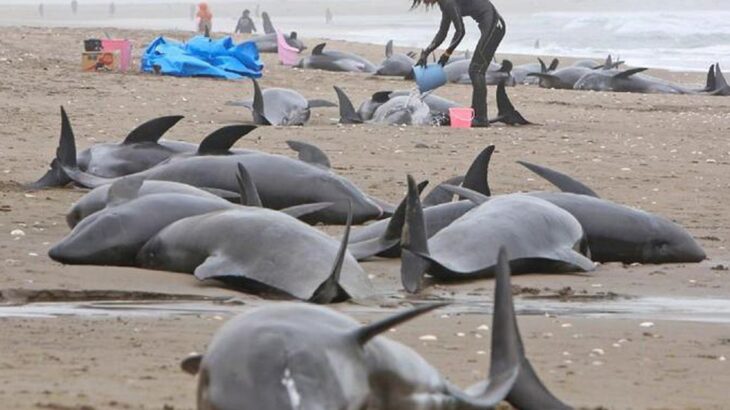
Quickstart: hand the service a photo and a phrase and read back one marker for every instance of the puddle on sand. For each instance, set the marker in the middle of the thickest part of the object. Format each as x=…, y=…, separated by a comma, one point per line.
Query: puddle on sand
x=654, y=308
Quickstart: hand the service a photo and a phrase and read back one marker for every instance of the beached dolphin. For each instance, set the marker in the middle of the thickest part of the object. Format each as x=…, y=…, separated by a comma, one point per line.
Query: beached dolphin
x=269, y=43
x=302, y=356
x=282, y=182
x=566, y=78
x=539, y=236
x=336, y=61
x=395, y=64
x=410, y=108
x=458, y=72
x=141, y=150
x=98, y=198
x=259, y=250
x=280, y=106
x=520, y=72
x=629, y=81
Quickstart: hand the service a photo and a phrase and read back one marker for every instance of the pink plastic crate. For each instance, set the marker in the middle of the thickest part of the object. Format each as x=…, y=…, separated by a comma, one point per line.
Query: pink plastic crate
x=288, y=55
x=125, y=51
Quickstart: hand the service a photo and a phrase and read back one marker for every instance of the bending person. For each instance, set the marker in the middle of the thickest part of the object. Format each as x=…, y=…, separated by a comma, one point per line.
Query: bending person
x=493, y=29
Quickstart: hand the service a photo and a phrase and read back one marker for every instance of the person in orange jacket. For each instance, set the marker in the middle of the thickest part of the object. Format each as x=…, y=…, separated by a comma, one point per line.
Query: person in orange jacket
x=205, y=19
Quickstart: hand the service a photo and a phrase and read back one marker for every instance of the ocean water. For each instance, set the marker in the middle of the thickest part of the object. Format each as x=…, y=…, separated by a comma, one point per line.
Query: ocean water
x=675, y=39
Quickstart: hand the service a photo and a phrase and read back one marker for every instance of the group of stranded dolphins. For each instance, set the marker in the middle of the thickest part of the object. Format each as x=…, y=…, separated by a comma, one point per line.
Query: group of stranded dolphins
x=245, y=218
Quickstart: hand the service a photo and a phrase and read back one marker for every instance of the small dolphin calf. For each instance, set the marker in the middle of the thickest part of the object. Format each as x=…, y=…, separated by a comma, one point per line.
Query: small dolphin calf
x=297, y=356
x=280, y=106
x=259, y=250
x=336, y=61
x=395, y=64
x=539, y=236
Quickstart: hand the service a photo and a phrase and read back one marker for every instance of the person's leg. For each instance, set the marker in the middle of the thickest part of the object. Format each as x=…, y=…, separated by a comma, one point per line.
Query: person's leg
x=492, y=35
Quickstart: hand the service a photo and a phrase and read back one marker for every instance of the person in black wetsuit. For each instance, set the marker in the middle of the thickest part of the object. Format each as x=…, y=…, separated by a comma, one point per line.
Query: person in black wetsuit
x=245, y=24
x=493, y=29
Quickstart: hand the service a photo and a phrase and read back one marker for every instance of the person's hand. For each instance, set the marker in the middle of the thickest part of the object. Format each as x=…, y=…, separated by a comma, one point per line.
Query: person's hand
x=444, y=59
x=423, y=60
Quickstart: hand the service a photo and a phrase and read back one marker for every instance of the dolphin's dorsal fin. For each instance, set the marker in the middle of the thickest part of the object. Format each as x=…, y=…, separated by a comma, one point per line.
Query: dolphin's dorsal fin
x=560, y=180
x=329, y=290
x=628, y=73
x=543, y=66
x=394, y=230
x=365, y=333
x=297, y=211
x=506, y=112
x=66, y=151
x=310, y=154
x=467, y=193
x=152, y=130
x=389, y=49
x=554, y=64
x=220, y=141
x=381, y=96
x=477, y=177
x=258, y=105
x=191, y=364
x=710, y=83
x=123, y=190
x=720, y=81
x=247, y=188
x=348, y=115
x=318, y=49
x=608, y=64
x=414, y=242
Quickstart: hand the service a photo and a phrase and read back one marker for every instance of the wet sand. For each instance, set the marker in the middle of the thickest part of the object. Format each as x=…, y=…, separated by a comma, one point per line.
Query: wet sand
x=665, y=154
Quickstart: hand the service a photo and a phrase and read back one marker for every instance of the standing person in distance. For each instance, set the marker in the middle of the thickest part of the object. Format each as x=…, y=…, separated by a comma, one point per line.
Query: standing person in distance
x=245, y=24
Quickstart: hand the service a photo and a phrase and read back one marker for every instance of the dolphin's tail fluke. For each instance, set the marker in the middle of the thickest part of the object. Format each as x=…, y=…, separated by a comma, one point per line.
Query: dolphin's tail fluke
x=414, y=242
x=65, y=155
x=720, y=87
x=506, y=111
x=348, y=115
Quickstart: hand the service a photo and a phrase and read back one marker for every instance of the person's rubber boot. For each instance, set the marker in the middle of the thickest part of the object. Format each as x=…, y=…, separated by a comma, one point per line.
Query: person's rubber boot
x=480, y=122
x=480, y=114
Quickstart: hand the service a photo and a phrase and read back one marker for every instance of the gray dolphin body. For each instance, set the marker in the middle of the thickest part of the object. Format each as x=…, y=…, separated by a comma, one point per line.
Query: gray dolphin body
x=308, y=357
x=562, y=79
x=258, y=249
x=395, y=64
x=141, y=150
x=520, y=72
x=408, y=109
x=627, y=81
x=98, y=198
x=458, y=72
x=438, y=106
x=336, y=61
x=280, y=106
x=115, y=235
x=540, y=238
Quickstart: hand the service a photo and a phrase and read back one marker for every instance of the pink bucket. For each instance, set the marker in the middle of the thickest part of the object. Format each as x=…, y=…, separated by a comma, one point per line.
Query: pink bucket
x=125, y=51
x=461, y=117
x=288, y=55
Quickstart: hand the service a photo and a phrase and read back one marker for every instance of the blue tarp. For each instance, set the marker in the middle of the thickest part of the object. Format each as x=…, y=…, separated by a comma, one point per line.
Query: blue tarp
x=202, y=56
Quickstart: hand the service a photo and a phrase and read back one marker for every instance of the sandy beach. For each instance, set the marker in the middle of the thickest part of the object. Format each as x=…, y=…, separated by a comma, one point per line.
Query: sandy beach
x=665, y=154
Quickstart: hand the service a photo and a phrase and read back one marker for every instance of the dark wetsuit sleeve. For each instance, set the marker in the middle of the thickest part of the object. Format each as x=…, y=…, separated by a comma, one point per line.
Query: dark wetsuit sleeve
x=450, y=10
x=441, y=35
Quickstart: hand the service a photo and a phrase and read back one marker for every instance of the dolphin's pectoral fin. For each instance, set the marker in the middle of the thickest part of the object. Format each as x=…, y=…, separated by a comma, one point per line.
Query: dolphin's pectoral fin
x=329, y=290
x=215, y=267
x=575, y=259
x=299, y=211
x=628, y=73
x=439, y=195
x=191, y=364
x=414, y=242
x=560, y=180
x=54, y=177
x=366, y=333
x=506, y=112
x=152, y=130
x=467, y=193
x=318, y=103
x=243, y=103
x=220, y=141
x=124, y=190
x=348, y=115
x=310, y=154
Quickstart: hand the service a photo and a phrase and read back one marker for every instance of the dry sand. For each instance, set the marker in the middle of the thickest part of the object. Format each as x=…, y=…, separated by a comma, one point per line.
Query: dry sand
x=665, y=154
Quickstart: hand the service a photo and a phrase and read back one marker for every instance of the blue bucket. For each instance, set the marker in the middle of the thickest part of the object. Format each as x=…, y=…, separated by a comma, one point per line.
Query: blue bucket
x=429, y=78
